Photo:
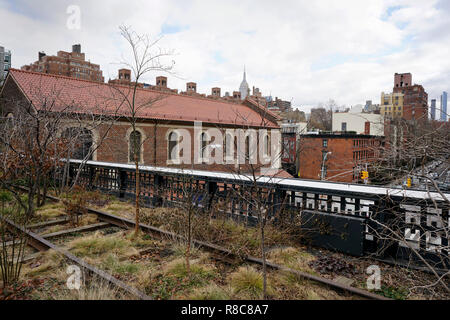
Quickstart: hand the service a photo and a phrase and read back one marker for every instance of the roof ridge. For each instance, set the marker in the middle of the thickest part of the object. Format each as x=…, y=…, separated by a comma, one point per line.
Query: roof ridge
x=219, y=107
x=266, y=110
x=125, y=86
x=55, y=75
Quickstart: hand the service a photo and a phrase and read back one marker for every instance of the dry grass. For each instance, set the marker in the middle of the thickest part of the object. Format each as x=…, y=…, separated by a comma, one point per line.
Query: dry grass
x=240, y=239
x=98, y=244
x=292, y=258
x=95, y=289
x=44, y=265
x=288, y=286
x=212, y=292
x=120, y=208
x=247, y=283
x=50, y=210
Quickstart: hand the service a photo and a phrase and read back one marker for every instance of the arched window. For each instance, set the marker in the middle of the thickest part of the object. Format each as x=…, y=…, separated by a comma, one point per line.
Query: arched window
x=79, y=142
x=266, y=145
x=173, y=150
x=135, y=144
x=247, y=148
x=228, y=145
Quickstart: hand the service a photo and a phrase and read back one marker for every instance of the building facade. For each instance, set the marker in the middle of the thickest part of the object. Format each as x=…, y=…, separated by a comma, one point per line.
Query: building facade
x=359, y=123
x=290, y=135
x=433, y=109
x=71, y=64
x=278, y=105
x=337, y=157
x=173, y=128
x=444, y=98
x=391, y=105
x=5, y=63
x=415, y=98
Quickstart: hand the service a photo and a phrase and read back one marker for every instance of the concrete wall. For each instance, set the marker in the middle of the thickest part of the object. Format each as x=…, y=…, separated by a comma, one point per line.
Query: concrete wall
x=357, y=121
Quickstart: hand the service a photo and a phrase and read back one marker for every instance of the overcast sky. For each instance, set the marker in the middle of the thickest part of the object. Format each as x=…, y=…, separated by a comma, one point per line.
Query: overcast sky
x=307, y=51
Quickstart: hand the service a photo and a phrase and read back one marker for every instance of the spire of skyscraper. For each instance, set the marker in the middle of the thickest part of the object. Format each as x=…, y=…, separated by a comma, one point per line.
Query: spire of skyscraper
x=244, y=88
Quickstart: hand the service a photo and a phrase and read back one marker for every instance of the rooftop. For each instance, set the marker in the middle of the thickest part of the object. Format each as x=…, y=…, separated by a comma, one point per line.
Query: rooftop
x=100, y=98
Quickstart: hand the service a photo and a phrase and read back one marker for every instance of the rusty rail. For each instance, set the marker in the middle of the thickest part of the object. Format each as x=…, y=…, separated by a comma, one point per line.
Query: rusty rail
x=42, y=244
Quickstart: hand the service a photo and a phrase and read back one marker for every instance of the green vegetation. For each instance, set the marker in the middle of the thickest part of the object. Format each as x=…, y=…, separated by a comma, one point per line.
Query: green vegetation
x=393, y=293
x=114, y=265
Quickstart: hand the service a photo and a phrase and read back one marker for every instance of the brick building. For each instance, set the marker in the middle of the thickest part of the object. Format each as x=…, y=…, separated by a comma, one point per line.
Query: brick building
x=278, y=105
x=71, y=64
x=290, y=135
x=415, y=99
x=158, y=125
x=336, y=157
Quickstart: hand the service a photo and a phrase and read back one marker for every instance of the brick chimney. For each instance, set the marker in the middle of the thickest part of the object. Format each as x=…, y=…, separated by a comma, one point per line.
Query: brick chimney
x=125, y=75
x=41, y=55
x=76, y=48
x=161, y=82
x=215, y=92
x=191, y=87
x=402, y=80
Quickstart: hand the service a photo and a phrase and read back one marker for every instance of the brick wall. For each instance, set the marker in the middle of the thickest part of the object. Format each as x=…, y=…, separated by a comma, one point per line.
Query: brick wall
x=115, y=147
x=348, y=155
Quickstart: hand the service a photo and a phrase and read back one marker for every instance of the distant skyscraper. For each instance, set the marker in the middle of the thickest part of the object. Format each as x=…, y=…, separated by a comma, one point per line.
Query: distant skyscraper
x=244, y=89
x=5, y=63
x=444, y=106
x=433, y=109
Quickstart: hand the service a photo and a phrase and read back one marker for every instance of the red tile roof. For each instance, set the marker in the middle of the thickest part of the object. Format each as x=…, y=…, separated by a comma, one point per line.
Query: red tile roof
x=100, y=98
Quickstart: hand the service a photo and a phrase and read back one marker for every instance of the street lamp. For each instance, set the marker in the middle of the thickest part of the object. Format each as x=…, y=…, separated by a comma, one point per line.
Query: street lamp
x=322, y=171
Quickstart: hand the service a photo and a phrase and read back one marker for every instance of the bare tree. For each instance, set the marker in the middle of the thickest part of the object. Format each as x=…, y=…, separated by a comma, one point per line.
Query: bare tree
x=256, y=196
x=12, y=242
x=146, y=57
x=416, y=155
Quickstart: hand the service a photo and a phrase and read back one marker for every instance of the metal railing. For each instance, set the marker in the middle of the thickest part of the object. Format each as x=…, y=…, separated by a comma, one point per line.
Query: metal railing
x=386, y=222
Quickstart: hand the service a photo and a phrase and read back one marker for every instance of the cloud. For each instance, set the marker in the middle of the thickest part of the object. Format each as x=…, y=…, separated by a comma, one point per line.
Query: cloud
x=301, y=50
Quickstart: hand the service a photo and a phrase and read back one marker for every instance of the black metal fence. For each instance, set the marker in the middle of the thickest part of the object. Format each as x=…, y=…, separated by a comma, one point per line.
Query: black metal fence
x=362, y=220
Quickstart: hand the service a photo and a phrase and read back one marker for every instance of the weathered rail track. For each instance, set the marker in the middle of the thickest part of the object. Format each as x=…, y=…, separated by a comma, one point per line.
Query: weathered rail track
x=41, y=244
x=216, y=250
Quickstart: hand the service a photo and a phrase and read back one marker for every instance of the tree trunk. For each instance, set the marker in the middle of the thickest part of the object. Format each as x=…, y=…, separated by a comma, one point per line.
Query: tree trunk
x=263, y=255
x=138, y=192
x=188, y=249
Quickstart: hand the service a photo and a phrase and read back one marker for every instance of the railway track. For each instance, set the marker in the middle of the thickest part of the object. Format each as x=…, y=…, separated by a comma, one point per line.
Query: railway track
x=41, y=244
x=219, y=252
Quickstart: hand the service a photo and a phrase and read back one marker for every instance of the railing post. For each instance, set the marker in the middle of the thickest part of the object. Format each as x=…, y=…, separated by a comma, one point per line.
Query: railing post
x=212, y=189
x=123, y=181
x=157, y=199
x=91, y=177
